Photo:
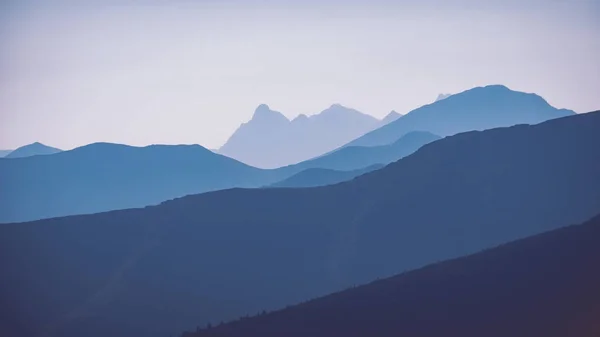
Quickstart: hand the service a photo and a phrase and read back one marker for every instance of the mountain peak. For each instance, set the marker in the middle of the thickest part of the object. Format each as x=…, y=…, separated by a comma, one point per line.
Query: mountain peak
x=337, y=114
x=502, y=92
x=494, y=90
x=338, y=110
x=300, y=118
x=262, y=107
x=392, y=116
x=442, y=96
x=479, y=108
x=497, y=87
x=264, y=112
x=271, y=140
x=32, y=149
x=335, y=108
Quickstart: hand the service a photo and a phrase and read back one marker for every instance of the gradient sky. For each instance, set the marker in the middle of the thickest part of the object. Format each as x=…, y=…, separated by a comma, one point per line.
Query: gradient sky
x=144, y=72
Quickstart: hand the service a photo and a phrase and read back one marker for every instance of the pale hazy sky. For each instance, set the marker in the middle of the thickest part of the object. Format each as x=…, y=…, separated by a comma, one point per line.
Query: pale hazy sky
x=144, y=72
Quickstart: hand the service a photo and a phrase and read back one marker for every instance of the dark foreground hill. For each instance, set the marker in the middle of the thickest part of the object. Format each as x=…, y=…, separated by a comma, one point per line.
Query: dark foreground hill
x=321, y=177
x=34, y=149
x=544, y=285
x=221, y=255
x=479, y=108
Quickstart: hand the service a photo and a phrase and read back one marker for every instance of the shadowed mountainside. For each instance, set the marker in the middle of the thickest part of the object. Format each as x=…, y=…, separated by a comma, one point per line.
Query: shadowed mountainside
x=358, y=157
x=320, y=177
x=32, y=150
x=544, y=285
x=217, y=256
x=475, y=109
x=270, y=140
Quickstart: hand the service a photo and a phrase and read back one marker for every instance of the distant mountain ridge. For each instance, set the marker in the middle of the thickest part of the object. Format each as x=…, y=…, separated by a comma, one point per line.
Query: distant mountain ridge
x=359, y=157
x=270, y=140
x=479, y=108
x=543, y=285
x=58, y=185
x=392, y=116
x=33, y=149
x=213, y=255
x=104, y=176
x=313, y=177
x=121, y=176
x=3, y=153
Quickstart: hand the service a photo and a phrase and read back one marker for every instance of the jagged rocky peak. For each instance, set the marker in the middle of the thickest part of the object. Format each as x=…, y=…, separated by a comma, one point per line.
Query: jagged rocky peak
x=264, y=112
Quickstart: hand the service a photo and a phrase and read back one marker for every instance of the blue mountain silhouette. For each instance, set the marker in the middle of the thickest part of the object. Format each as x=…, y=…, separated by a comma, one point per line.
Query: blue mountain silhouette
x=58, y=185
x=217, y=256
x=392, y=116
x=102, y=176
x=475, y=109
x=32, y=150
x=270, y=140
x=544, y=285
x=357, y=157
x=313, y=177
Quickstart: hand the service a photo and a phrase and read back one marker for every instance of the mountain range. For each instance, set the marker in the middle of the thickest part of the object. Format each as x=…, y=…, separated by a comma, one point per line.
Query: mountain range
x=3, y=153
x=33, y=149
x=122, y=176
x=102, y=176
x=544, y=285
x=475, y=109
x=217, y=256
x=270, y=140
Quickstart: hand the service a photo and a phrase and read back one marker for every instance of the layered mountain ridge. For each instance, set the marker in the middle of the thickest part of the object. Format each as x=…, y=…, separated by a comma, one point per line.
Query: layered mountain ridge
x=164, y=269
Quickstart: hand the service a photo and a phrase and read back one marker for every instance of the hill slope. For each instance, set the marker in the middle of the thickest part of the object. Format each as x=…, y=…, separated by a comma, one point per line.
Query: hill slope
x=32, y=150
x=320, y=177
x=390, y=117
x=357, y=157
x=102, y=176
x=220, y=255
x=544, y=285
x=475, y=109
x=270, y=140
x=3, y=153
